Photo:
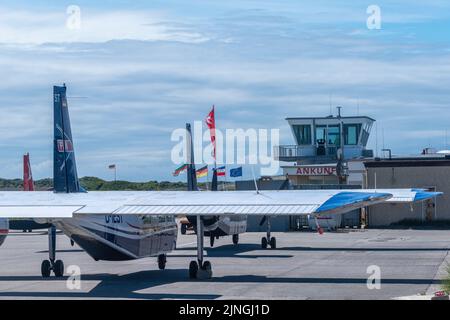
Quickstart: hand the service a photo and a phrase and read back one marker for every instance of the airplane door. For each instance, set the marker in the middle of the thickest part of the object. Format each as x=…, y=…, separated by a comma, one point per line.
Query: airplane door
x=156, y=238
x=110, y=229
x=110, y=236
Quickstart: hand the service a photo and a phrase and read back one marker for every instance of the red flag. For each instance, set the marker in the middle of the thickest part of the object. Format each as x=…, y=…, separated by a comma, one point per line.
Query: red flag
x=28, y=184
x=211, y=123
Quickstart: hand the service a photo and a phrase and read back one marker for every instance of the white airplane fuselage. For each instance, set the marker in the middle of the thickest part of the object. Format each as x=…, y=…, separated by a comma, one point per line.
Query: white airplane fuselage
x=121, y=237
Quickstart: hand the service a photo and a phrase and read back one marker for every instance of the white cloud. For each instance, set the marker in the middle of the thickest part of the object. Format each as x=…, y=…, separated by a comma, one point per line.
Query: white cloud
x=136, y=92
x=41, y=27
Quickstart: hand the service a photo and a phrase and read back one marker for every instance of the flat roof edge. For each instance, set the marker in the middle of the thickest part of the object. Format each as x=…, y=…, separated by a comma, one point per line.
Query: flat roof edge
x=324, y=118
x=407, y=163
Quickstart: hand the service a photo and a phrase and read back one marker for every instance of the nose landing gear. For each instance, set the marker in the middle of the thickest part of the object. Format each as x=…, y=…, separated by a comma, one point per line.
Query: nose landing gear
x=268, y=240
x=199, y=269
x=47, y=266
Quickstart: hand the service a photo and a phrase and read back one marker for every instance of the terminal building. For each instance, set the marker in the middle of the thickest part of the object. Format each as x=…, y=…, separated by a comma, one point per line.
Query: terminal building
x=426, y=171
x=331, y=153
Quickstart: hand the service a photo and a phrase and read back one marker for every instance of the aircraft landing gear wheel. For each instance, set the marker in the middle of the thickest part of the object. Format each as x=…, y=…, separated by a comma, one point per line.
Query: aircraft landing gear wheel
x=162, y=259
x=193, y=269
x=211, y=241
x=273, y=243
x=264, y=243
x=208, y=269
x=183, y=228
x=46, y=268
x=72, y=243
x=58, y=268
x=235, y=239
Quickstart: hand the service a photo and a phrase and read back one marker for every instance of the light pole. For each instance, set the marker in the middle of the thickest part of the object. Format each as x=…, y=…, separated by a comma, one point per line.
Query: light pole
x=114, y=167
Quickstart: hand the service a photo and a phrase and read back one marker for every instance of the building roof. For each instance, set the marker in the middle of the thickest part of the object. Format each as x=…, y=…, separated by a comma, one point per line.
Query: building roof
x=418, y=161
x=330, y=117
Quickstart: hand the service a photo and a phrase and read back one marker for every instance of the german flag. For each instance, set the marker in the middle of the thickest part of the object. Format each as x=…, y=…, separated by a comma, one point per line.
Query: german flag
x=202, y=172
x=179, y=170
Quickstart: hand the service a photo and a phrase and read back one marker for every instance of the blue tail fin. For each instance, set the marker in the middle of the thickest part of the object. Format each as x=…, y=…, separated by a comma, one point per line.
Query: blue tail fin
x=65, y=176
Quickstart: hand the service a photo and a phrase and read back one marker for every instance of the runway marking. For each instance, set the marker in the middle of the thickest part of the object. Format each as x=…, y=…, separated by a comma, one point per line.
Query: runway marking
x=186, y=244
x=414, y=297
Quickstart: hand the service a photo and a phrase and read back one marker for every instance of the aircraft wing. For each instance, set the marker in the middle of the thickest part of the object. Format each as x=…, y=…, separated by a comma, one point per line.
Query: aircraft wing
x=405, y=195
x=289, y=202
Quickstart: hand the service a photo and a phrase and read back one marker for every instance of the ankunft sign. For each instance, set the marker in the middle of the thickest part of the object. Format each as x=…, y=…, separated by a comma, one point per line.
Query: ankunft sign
x=316, y=171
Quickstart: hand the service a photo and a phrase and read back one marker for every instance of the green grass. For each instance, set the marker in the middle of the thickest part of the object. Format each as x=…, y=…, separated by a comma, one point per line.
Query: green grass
x=97, y=184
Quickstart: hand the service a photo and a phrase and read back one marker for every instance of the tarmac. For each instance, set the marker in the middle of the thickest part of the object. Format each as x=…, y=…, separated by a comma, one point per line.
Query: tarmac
x=306, y=265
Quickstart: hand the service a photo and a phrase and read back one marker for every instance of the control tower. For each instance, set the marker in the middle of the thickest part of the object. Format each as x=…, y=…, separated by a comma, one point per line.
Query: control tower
x=321, y=144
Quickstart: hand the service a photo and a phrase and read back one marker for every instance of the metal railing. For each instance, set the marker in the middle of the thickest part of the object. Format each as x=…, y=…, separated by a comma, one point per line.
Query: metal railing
x=299, y=151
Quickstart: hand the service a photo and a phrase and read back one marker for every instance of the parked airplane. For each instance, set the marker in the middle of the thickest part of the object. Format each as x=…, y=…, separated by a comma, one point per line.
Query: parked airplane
x=214, y=227
x=132, y=225
x=28, y=185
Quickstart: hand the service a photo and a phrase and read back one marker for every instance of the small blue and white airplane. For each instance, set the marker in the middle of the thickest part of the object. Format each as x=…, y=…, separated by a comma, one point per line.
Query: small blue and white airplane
x=132, y=225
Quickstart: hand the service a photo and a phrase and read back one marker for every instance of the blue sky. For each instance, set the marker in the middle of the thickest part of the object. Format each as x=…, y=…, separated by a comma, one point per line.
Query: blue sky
x=136, y=71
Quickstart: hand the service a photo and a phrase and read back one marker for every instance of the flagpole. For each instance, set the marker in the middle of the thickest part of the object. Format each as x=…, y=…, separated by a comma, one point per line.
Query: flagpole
x=215, y=150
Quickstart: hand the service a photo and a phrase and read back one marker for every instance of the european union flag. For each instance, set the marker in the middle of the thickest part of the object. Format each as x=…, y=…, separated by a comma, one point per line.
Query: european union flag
x=237, y=172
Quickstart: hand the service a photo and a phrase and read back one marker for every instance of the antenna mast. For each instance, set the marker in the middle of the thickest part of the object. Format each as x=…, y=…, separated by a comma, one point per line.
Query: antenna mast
x=254, y=180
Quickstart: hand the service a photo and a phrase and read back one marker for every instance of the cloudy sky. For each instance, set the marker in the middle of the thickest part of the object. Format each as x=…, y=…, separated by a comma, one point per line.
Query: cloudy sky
x=135, y=72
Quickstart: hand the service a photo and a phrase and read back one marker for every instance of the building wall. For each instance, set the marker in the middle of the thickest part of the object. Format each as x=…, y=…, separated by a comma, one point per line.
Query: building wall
x=406, y=177
x=299, y=180
x=277, y=224
x=356, y=171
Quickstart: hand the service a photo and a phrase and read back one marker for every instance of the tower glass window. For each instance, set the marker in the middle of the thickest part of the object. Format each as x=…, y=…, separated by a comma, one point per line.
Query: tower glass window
x=321, y=134
x=333, y=135
x=351, y=133
x=302, y=134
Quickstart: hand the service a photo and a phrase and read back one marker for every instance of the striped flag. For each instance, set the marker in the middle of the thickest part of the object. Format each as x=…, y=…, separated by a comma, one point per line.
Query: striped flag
x=211, y=124
x=28, y=184
x=179, y=170
x=221, y=171
x=202, y=172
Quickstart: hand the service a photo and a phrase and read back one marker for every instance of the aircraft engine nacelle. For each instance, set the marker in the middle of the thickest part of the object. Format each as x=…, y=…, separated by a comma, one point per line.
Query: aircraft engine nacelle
x=4, y=229
x=209, y=223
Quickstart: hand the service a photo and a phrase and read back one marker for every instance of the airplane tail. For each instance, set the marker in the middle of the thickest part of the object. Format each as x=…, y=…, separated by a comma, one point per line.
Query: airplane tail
x=191, y=174
x=65, y=176
x=214, y=180
x=28, y=183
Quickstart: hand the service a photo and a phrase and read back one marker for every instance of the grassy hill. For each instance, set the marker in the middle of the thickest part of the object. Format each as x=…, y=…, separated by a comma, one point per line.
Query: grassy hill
x=97, y=184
